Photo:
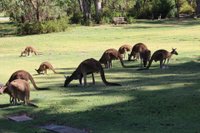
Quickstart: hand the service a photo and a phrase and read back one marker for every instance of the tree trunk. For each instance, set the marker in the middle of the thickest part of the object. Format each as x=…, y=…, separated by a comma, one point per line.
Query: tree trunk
x=98, y=8
x=198, y=7
x=85, y=6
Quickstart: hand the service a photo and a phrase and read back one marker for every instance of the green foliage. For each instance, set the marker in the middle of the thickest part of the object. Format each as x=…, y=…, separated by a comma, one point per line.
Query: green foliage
x=130, y=20
x=43, y=27
x=186, y=8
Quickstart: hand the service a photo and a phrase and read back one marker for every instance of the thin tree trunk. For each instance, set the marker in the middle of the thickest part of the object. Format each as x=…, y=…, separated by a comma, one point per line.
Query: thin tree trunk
x=198, y=7
x=98, y=7
x=85, y=6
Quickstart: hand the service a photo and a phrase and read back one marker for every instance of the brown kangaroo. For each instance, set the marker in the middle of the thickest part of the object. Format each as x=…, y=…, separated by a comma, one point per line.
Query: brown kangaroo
x=22, y=74
x=141, y=51
x=88, y=66
x=43, y=68
x=19, y=89
x=28, y=50
x=161, y=55
x=108, y=56
x=123, y=49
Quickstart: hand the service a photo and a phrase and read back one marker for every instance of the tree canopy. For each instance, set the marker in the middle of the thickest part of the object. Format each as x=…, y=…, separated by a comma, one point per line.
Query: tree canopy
x=96, y=11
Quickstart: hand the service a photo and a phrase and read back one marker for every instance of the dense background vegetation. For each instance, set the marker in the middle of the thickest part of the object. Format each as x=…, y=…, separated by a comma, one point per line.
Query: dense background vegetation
x=52, y=15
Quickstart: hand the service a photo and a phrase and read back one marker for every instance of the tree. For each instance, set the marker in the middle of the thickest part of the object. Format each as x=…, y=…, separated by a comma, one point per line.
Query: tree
x=98, y=9
x=85, y=6
x=198, y=7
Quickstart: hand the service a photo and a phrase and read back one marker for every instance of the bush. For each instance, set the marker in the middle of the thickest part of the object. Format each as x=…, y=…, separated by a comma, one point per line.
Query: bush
x=76, y=18
x=186, y=9
x=43, y=27
x=131, y=20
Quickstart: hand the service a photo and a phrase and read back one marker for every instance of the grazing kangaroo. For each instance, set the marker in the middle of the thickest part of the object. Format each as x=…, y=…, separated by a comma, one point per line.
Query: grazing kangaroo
x=22, y=74
x=19, y=89
x=108, y=56
x=161, y=55
x=123, y=49
x=88, y=66
x=28, y=50
x=43, y=68
x=141, y=51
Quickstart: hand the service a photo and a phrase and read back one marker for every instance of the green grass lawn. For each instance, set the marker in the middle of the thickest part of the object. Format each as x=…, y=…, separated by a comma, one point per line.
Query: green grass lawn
x=151, y=101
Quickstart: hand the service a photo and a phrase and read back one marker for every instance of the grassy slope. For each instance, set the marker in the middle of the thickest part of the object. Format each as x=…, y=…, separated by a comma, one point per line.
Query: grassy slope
x=149, y=101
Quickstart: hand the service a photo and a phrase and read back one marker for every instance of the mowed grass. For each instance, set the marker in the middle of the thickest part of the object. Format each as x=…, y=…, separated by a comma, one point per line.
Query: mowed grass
x=151, y=101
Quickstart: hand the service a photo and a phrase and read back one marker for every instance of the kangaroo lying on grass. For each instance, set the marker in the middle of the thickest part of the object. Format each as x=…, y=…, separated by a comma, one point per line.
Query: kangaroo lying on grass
x=86, y=67
x=43, y=68
x=141, y=51
x=108, y=56
x=28, y=50
x=161, y=55
x=19, y=89
x=123, y=49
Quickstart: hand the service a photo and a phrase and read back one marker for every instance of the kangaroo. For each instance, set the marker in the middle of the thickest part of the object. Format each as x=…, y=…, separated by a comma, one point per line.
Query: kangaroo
x=141, y=51
x=108, y=56
x=161, y=55
x=28, y=50
x=44, y=66
x=22, y=74
x=19, y=89
x=123, y=49
x=88, y=66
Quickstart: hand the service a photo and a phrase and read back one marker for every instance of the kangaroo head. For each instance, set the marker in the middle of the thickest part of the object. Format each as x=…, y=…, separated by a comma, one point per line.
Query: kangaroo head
x=174, y=51
x=2, y=88
x=37, y=71
x=67, y=81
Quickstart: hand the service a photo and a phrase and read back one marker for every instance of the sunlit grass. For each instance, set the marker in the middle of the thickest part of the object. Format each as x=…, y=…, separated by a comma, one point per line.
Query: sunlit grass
x=148, y=101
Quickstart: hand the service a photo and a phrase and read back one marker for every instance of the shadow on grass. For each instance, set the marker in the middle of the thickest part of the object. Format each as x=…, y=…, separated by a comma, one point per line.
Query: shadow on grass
x=164, y=23
x=174, y=108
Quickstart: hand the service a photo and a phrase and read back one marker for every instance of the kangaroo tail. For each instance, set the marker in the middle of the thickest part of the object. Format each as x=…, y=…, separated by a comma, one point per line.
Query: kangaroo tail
x=39, y=53
x=35, y=86
x=54, y=70
x=150, y=62
x=121, y=61
x=104, y=79
x=32, y=105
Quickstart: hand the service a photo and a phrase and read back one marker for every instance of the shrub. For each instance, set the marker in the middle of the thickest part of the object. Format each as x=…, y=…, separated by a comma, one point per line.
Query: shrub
x=43, y=27
x=186, y=8
x=131, y=20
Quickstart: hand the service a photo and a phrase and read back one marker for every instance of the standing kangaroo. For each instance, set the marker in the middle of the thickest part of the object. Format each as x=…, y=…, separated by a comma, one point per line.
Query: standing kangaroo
x=123, y=49
x=88, y=66
x=43, y=68
x=108, y=56
x=141, y=51
x=22, y=74
x=28, y=50
x=161, y=55
x=18, y=89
